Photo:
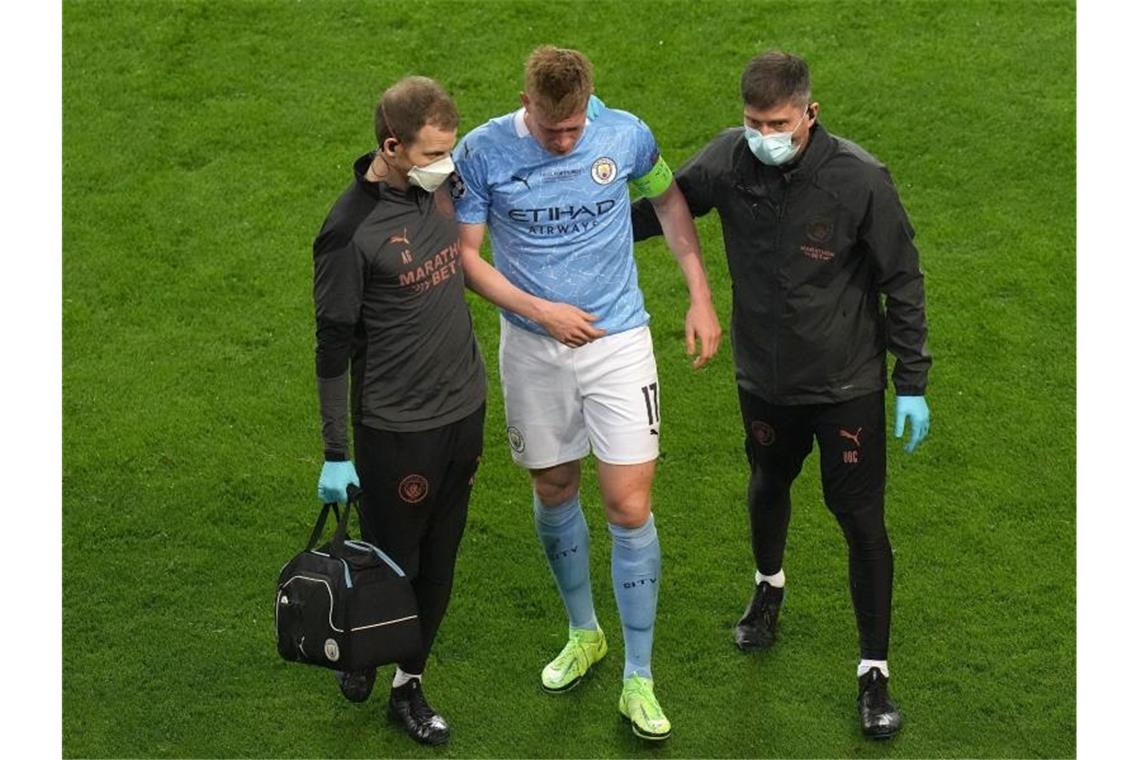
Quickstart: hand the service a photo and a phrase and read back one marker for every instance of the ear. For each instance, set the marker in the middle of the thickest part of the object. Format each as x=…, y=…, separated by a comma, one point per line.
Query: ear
x=813, y=109
x=389, y=146
x=524, y=100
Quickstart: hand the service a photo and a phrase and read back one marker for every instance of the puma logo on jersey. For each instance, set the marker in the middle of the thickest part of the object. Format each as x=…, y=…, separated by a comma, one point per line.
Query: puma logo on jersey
x=851, y=436
x=406, y=254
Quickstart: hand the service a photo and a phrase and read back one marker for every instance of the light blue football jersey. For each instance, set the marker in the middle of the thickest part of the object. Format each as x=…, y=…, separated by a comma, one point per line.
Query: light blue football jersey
x=560, y=226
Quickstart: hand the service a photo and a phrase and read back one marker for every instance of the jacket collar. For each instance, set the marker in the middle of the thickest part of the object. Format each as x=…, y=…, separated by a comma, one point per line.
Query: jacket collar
x=376, y=189
x=819, y=146
x=360, y=169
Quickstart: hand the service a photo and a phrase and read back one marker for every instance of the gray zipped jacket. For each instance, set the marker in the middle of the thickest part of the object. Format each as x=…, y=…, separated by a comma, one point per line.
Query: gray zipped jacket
x=816, y=250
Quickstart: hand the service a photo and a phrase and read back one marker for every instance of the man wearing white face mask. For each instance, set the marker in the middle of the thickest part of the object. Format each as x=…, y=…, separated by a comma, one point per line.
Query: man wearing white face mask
x=389, y=295
x=815, y=237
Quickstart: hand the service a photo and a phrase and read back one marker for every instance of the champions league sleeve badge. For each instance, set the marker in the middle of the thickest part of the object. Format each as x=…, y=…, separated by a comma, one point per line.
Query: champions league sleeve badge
x=456, y=189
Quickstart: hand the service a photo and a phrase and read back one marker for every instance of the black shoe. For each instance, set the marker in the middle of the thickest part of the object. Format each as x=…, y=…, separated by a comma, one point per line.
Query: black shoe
x=408, y=706
x=357, y=685
x=877, y=713
x=757, y=629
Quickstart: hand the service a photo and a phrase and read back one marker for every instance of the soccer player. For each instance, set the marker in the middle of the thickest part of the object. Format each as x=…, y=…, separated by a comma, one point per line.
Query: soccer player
x=816, y=237
x=551, y=185
x=389, y=293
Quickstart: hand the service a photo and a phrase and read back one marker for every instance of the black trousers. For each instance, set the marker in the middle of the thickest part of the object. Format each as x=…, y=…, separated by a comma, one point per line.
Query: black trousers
x=416, y=488
x=853, y=468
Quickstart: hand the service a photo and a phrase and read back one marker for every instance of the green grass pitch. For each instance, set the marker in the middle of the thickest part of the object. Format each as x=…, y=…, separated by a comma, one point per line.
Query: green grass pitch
x=204, y=143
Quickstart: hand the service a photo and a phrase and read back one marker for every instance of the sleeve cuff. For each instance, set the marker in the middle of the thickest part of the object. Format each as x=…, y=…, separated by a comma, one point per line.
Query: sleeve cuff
x=336, y=456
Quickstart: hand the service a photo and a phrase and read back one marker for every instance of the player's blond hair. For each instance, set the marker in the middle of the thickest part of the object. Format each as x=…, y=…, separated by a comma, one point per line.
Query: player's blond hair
x=559, y=81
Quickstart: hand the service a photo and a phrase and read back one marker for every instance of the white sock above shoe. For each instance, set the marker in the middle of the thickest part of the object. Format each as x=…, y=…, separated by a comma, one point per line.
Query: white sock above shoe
x=775, y=581
x=865, y=665
x=402, y=678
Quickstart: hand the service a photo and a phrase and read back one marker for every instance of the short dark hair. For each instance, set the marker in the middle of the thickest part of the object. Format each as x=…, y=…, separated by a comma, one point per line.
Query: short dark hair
x=408, y=105
x=559, y=81
x=773, y=78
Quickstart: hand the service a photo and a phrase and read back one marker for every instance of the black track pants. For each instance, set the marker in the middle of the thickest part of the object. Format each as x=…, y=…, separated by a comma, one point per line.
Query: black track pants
x=416, y=488
x=853, y=469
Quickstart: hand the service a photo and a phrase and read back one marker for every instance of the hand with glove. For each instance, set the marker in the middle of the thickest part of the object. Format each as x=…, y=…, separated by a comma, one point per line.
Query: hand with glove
x=334, y=481
x=912, y=408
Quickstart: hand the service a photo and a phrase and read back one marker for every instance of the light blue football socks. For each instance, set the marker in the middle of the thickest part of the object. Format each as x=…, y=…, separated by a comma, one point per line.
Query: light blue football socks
x=566, y=543
x=636, y=567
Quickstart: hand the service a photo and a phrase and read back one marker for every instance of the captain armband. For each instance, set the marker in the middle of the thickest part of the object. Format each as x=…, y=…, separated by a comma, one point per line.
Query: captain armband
x=656, y=181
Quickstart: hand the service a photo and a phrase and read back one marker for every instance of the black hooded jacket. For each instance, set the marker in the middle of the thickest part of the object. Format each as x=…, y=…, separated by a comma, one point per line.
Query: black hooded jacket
x=812, y=249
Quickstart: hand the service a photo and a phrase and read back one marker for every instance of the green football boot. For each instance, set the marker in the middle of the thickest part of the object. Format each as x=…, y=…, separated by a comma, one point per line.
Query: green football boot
x=640, y=708
x=582, y=650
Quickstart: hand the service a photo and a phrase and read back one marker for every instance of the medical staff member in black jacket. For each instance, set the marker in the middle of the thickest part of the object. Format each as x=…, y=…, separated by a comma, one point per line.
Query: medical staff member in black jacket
x=815, y=237
x=388, y=291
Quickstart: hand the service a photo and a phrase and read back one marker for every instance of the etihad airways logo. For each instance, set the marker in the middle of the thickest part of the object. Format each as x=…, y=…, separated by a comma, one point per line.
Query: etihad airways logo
x=561, y=220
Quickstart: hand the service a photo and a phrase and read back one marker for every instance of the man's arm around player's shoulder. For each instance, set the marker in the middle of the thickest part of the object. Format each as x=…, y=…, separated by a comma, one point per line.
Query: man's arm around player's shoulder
x=699, y=179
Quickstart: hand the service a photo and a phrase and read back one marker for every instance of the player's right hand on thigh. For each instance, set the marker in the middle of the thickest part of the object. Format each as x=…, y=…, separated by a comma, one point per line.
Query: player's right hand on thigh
x=568, y=324
x=334, y=481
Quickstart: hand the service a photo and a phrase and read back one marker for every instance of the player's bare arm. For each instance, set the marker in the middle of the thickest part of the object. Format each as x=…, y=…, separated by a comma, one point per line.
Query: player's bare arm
x=701, y=323
x=566, y=323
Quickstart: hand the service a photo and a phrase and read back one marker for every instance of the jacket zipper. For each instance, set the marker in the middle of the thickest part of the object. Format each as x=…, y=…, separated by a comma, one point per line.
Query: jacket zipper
x=742, y=187
x=783, y=294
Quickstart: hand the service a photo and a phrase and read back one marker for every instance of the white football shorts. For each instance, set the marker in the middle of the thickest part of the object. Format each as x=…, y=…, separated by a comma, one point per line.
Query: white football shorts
x=561, y=401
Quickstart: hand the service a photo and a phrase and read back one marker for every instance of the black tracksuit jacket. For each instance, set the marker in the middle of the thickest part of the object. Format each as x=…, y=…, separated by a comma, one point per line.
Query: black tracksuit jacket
x=812, y=248
x=389, y=294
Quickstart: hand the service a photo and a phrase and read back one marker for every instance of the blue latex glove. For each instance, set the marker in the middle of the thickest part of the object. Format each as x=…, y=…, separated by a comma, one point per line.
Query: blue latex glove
x=912, y=408
x=335, y=477
x=594, y=106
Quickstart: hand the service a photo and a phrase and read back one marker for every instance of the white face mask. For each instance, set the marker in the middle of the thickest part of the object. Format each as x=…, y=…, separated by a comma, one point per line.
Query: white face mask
x=774, y=149
x=433, y=175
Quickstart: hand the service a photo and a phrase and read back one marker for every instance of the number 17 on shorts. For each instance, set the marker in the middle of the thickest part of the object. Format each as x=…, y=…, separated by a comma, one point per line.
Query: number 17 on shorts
x=563, y=402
